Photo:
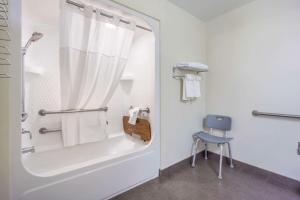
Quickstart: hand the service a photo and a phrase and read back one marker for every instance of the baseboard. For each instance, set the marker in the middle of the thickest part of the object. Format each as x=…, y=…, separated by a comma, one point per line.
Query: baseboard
x=271, y=176
x=180, y=164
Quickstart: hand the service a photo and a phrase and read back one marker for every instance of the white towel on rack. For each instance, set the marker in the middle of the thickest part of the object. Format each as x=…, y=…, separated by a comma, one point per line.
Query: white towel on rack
x=191, y=87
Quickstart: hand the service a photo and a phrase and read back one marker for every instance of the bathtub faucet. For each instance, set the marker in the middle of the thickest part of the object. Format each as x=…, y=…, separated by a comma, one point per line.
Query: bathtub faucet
x=28, y=150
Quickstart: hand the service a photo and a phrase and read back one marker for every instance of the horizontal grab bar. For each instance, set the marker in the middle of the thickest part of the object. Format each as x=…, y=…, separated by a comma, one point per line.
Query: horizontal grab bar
x=4, y=75
x=45, y=112
x=146, y=110
x=257, y=113
x=45, y=130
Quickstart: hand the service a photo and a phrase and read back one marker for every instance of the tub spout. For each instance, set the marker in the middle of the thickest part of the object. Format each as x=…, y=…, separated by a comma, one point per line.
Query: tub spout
x=28, y=150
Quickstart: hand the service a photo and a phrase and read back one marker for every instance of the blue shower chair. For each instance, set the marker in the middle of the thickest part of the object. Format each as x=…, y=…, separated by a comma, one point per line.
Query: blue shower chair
x=218, y=122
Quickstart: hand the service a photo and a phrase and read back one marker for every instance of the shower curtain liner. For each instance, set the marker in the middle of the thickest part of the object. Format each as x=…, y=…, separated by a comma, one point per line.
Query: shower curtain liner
x=93, y=54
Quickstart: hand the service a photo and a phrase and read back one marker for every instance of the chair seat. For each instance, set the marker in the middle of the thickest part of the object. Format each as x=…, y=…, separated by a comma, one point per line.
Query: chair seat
x=208, y=138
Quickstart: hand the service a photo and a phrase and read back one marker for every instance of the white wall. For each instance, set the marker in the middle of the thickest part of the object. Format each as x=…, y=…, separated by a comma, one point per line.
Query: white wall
x=183, y=38
x=42, y=90
x=253, y=53
x=140, y=90
x=4, y=138
x=7, y=135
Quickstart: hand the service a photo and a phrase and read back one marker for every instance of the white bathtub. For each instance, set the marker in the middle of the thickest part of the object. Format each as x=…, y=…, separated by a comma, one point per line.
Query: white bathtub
x=91, y=171
x=59, y=161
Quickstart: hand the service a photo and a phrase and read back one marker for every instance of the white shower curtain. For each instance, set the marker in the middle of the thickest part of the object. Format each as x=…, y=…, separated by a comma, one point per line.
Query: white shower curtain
x=93, y=54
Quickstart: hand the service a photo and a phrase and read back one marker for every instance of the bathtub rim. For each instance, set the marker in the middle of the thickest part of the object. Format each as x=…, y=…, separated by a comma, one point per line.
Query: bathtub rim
x=84, y=164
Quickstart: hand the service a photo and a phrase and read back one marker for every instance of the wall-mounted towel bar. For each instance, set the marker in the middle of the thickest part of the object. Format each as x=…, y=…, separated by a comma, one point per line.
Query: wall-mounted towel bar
x=4, y=75
x=257, y=113
x=45, y=130
x=7, y=37
x=4, y=50
x=4, y=61
x=192, y=69
x=44, y=112
x=4, y=2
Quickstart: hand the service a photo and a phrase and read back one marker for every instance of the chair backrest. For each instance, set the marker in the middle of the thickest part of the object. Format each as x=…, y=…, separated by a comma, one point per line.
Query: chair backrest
x=218, y=122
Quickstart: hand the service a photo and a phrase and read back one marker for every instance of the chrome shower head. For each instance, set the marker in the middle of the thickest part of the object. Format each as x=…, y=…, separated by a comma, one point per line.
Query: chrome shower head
x=34, y=37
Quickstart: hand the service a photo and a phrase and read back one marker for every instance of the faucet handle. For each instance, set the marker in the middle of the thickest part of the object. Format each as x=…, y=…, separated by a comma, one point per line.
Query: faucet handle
x=27, y=132
x=24, y=116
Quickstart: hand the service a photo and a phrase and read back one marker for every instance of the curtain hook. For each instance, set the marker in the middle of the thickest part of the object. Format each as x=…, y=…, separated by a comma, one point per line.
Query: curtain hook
x=116, y=20
x=132, y=24
x=88, y=10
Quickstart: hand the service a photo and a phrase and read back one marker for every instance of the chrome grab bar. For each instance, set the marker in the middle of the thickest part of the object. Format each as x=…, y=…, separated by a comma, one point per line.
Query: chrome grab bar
x=146, y=110
x=45, y=130
x=45, y=112
x=257, y=113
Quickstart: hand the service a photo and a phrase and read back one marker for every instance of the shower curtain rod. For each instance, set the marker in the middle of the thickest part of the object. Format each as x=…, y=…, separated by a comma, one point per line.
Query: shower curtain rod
x=106, y=15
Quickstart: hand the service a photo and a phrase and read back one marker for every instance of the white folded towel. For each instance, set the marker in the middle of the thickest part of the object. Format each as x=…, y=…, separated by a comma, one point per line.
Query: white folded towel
x=133, y=115
x=192, y=65
x=191, y=87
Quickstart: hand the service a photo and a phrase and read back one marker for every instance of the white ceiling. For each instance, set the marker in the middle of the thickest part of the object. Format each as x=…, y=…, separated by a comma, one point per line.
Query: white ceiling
x=208, y=9
x=41, y=11
x=47, y=11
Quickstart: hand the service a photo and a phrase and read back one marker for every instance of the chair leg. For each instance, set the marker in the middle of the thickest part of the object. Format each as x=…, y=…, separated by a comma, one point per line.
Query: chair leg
x=205, y=153
x=221, y=161
x=230, y=155
x=195, y=146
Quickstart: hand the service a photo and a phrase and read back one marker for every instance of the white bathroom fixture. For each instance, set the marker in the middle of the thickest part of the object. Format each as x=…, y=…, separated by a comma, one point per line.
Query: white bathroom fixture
x=189, y=66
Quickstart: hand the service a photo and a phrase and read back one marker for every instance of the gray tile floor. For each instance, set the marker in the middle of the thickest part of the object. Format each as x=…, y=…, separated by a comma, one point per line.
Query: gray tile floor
x=182, y=182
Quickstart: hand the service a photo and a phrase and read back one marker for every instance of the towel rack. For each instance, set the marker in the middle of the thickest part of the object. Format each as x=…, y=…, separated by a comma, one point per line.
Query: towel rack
x=4, y=75
x=187, y=68
x=45, y=112
x=4, y=50
x=257, y=113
